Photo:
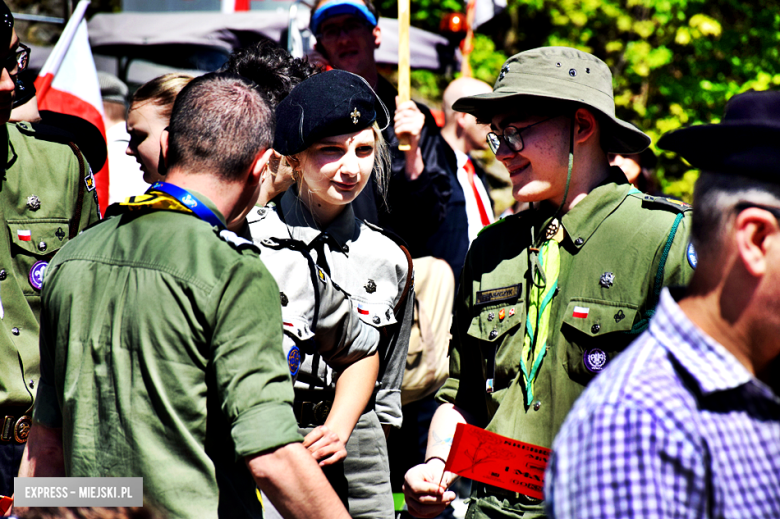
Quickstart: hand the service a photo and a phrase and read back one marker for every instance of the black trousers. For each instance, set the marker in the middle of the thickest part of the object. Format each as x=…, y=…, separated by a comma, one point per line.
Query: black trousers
x=10, y=458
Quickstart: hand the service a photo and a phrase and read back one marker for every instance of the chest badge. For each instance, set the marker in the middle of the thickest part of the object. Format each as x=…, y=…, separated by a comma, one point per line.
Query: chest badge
x=33, y=202
x=60, y=234
x=501, y=314
x=36, y=274
x=607, y=279
x=511, y=312
x=370, y=286
x=594, y=360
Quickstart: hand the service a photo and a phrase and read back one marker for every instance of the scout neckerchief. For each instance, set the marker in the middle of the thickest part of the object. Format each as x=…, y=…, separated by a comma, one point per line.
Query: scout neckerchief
x=168, y=197
x=545, y=263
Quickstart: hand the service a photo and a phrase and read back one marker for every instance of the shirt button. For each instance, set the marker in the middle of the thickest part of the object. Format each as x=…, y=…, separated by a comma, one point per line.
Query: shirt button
x=537, y=405
x=493, y=334
x=595, y=328
x=32, y=384
x=578, y=242
x=376, y=319
x=42, y=246
x=15, y=331
x=3, y=275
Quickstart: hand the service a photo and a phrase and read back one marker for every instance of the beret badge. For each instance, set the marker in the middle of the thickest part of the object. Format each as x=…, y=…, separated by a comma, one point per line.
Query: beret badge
x=355, y=116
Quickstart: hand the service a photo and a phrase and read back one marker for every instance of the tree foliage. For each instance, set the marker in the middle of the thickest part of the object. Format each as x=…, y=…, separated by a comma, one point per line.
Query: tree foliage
x=674, y=62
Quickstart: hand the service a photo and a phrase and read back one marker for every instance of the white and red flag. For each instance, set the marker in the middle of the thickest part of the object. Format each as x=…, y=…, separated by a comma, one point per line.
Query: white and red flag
x=68, y=84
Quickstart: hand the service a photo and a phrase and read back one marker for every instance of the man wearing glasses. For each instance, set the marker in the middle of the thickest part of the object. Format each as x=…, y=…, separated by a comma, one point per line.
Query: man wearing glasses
x=549, y=296
x=45, y=201
x=686, y=423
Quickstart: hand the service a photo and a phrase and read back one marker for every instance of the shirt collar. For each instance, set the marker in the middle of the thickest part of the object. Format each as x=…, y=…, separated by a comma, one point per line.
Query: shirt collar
x=302, y=226
x=709, y=363
x=584, y=218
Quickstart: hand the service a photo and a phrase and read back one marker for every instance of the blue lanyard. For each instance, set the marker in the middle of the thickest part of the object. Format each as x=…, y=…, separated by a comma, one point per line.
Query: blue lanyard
x=190, y=202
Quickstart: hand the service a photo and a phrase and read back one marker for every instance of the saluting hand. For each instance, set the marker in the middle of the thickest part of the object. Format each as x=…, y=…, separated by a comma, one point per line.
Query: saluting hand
x=325, y=445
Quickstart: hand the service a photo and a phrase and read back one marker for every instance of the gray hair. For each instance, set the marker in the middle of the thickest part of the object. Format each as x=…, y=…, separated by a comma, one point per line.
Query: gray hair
x=715, y=197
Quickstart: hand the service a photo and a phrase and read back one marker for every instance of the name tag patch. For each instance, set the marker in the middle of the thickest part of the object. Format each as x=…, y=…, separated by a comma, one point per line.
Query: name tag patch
x=499, y=294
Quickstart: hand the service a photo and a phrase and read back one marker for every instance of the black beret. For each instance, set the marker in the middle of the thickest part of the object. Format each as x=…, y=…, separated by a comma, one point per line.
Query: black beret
x=745, y=143
x=6, y=25
x=331, y=103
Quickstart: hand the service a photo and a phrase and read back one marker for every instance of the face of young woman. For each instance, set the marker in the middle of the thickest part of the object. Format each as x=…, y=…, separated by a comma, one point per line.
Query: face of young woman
x=336, y=169
x=144, y=124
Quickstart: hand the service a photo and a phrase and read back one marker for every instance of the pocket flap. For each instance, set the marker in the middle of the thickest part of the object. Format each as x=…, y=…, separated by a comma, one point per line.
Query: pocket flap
x=494, y=321
x=596, y=317
x=39, y=237
x=297, y=327
x=375, y=314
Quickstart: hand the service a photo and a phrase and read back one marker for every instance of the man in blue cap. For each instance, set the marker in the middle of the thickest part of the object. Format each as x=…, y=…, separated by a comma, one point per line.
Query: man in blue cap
x=686, y=422
x=347, y=36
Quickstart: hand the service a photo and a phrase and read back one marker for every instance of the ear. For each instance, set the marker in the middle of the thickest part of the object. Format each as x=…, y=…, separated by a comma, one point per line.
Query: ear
x=377, y=32
x=259, y=165
x=162, y=167
x=585, y=126
x=756, y=230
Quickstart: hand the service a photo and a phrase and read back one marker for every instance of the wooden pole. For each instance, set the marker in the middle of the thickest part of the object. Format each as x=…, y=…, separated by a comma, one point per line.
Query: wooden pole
x=468, y=45
x=404, y=83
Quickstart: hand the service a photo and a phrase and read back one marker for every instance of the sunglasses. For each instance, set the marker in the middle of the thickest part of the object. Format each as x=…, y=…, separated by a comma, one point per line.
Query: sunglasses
x=513, y=137
x=17, y=61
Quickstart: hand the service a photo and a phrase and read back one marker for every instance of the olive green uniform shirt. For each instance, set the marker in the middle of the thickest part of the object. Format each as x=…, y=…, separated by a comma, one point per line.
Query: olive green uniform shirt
x=46, y=193
x=614, y=229
x=162, y=357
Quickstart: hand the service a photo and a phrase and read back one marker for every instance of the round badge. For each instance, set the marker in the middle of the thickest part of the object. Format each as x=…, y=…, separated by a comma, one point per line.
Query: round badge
x=594, y=360
x=294, y=360
x=36, y=274
x=693, y=259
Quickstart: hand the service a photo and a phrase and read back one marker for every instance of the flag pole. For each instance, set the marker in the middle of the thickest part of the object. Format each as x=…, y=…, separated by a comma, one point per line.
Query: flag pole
x=468, y=46
x=404, y=81
x=53, y=62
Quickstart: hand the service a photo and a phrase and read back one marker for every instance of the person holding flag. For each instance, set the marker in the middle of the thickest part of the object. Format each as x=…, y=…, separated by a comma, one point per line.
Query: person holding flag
x=44, y=202
x=548, y=297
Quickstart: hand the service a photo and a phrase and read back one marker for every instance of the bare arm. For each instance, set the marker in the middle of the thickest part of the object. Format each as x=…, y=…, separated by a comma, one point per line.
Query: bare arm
x=290, y=477
x=424, y=496
x=43, y=453
x=354, y=388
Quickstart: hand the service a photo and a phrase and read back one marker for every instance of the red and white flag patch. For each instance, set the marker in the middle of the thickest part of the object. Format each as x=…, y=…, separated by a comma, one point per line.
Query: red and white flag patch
x=24, y=235
x=362, y=310
x=581, y=312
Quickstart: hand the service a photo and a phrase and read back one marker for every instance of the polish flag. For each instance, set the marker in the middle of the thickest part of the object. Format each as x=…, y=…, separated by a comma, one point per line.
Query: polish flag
x=25, y=235
x=581, y=312
x=68, y=84
x=362, y=310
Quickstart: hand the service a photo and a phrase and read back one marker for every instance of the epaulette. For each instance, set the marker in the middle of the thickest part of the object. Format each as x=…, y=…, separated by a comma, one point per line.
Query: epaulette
x=390, y=234
x=663, y=202
x=507, y=219
x=237, y=242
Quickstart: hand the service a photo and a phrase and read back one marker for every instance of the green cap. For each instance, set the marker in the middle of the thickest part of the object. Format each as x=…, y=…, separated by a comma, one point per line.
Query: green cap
x=559, y=73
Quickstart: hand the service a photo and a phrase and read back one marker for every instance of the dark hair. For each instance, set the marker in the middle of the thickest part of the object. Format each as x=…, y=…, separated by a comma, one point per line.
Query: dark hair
x=219, y=123
x=273, y=69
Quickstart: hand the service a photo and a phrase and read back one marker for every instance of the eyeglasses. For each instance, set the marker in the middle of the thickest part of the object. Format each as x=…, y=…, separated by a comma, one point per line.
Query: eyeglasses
x=745, y=205
x=513, y=137
x=17, y=61
x=332, y=32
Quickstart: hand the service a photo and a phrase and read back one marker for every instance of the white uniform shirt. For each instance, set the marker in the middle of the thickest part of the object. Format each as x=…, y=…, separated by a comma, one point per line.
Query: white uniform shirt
x=472, y=211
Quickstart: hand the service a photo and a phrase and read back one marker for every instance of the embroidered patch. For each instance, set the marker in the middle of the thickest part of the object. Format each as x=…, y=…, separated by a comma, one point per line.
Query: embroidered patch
x=294, y=360
x=36, y=274
x=580, y=312
x=89, y=181
x=24, y=235
x=594, y=360
x=362, y=310
x=499, y=294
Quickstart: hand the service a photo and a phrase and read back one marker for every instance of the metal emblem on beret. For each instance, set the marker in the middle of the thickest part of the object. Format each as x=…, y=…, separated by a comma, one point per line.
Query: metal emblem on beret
x=22, y=429
x=36, y=274
x=283, y=298
x=607, y=279
x=355, y=116
x=294, y=360
x=33, y=202
x=504, y=70
x=594, y=360
x=60, y=233
x=370, y=286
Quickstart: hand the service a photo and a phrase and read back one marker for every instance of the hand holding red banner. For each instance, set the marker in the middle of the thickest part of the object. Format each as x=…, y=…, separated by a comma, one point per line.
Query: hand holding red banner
x=497, y=460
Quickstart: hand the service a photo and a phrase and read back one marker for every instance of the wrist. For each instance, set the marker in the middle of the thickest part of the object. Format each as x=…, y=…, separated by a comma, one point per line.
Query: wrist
x=436, y=459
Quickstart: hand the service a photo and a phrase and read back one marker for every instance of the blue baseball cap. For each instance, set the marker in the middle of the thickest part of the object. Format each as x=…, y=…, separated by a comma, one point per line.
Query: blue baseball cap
x=338, y=7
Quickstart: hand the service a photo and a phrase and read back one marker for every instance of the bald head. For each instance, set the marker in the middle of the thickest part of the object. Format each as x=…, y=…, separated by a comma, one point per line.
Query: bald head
x=462, y=87
x=461, y=130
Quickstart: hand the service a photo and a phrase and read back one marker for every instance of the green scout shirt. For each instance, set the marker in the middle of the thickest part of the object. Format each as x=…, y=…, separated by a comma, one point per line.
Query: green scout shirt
x=162, y=357
x=613, y=229
x=44, y=197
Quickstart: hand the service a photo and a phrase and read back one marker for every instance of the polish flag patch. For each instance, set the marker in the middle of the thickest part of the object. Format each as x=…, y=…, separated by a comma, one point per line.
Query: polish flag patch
x=581, y=312
x=362, y=310
x=24, y=235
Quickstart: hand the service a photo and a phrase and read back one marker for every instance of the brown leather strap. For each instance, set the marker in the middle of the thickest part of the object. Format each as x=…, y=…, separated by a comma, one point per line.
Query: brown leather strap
x=74, y=224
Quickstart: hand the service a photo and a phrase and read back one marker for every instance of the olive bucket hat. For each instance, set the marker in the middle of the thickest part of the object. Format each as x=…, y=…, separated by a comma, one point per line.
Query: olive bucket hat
x=560, y=73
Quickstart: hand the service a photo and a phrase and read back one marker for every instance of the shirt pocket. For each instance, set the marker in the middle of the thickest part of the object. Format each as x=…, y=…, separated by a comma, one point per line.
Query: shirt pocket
x=500, y=340
x=34, y=243
x=595, y=331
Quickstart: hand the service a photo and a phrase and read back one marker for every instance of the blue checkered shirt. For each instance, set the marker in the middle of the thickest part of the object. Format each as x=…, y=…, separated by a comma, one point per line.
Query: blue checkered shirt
x=674, y=427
